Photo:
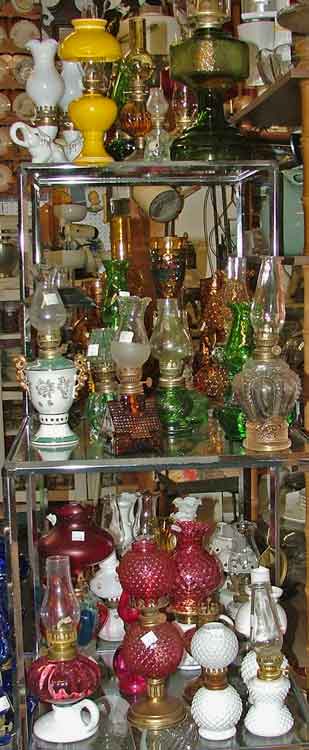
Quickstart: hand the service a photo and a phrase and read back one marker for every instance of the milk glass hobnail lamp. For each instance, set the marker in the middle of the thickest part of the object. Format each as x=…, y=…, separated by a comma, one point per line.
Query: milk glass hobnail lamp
x=267, y=388
x=93, y=113
x=52, y=381
x=270, y=687
x=63, y=677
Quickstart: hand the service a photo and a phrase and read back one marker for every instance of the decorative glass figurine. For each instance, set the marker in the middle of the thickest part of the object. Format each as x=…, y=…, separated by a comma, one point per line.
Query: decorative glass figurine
x=102, y=370
x=157, y=143
x=52, y=381
x=267, y=388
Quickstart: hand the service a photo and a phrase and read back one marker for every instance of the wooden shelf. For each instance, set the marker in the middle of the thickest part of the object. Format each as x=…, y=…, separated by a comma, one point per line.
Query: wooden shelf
x=279, y=105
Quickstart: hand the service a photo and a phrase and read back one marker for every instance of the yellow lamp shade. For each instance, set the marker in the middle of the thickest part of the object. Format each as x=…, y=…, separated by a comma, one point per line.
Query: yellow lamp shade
x=89, y=41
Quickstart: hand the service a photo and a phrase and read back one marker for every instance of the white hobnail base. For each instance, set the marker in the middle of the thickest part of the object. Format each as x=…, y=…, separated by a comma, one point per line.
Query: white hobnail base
x=271, y=691
x=268, y=719
x=216, y=712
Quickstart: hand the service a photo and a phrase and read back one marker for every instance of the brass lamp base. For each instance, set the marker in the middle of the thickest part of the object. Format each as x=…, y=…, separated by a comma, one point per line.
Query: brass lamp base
x=267, y=437
x=157, y=710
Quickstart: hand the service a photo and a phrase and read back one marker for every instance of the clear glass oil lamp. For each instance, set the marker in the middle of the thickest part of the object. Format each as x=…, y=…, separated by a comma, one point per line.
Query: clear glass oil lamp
x=267, y=388
x=157, y=144
x=244, y=556
x=93, y=113
x=104, y=386
x=270, y=686
x=52, y=381
x=63, y=678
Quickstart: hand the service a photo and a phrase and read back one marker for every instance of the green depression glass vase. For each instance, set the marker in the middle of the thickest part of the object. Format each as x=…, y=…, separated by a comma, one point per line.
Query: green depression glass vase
x=116, y=282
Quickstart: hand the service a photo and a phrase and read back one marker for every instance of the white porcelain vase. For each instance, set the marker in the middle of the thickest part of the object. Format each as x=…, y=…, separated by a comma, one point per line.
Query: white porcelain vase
x=106, y=585
x=242, y=619
x=71, y=723
x=45, y=86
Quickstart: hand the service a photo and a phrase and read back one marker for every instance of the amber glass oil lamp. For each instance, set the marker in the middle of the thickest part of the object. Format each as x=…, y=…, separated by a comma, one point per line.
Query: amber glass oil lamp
x=64, y=678
x=93, y=113
x=152, y=646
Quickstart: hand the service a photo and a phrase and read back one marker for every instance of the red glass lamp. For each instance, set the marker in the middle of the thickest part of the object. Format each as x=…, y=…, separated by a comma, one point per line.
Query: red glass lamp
x=63, y=677
x=76, y=535
x=152, y=647
x=198, y=573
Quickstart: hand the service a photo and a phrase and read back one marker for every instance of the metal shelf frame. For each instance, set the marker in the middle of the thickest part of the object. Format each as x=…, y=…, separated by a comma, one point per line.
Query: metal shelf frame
x=23, y=460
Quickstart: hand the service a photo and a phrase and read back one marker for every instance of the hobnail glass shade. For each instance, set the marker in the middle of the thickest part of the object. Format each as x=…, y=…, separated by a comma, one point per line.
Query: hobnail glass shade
x=214, y=646
x=54, y=681
x=146, y=572
x=198, y=573
x=154, y=653
x=268, y=306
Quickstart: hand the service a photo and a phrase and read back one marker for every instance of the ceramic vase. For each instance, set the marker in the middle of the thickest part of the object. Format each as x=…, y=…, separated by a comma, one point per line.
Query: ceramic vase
x=45, y=85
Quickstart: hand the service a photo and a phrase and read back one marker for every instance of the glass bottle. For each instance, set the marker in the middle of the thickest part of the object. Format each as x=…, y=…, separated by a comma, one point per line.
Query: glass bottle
x=157, y=143
x=136, y=63
x=116, y=282
x=102, y=372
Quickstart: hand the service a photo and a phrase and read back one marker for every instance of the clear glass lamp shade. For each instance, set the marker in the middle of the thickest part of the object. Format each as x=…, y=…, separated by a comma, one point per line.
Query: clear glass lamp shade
x=211, y=12
x=130, y=347
x=265, y=634
x=268, y=306
x=170, y=342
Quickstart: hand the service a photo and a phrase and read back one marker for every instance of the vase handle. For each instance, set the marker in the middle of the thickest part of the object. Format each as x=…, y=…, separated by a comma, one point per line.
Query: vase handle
x=80, y=363
x=21, y=377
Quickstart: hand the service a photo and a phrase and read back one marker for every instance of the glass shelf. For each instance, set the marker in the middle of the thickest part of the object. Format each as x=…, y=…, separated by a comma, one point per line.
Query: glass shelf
x=119, y=736
x=177, y=452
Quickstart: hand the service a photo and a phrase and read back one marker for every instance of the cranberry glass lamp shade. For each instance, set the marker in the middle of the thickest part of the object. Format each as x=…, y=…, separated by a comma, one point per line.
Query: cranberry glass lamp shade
x=76, y=536
x=198, y=573
x=146, y=573
x=54, y=681
x=154, y=653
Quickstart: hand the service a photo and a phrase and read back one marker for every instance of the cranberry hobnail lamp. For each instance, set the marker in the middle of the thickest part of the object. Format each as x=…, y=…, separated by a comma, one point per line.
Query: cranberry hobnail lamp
x=198, y=572
x=146, y=573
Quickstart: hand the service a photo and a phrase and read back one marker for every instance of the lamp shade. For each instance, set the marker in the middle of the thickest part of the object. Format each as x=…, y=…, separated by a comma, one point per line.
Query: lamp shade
x=90, y=41
x=146, y=572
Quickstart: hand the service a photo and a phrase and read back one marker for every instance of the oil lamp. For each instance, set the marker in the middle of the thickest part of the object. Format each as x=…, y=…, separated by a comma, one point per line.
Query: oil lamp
x=51, y=380
x=244, y=556
x=63, y=677
x=103, y=381
x=270, y=687
x=93, y=113
x=216, y=706
x=267, y=388
x=131, y=423
x=152, y=647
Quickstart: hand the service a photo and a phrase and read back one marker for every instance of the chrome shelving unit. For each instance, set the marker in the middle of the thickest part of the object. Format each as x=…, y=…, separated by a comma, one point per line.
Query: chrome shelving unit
x=24, y=460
